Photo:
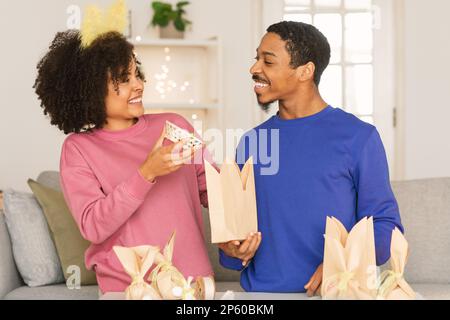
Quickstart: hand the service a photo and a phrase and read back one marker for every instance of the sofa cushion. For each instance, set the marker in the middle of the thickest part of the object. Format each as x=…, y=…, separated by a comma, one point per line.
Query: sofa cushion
x=54, y=292
x=9, y=276
x=50, y=179
x=425, y=212
x=34, y=251
x=70, y=245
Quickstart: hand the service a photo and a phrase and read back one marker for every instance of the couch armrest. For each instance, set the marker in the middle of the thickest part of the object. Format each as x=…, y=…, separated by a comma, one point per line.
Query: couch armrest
x=9, y=276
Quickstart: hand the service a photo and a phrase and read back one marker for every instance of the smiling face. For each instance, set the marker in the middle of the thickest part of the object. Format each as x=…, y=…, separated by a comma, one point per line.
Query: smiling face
x=124, y=100
x=274, y=77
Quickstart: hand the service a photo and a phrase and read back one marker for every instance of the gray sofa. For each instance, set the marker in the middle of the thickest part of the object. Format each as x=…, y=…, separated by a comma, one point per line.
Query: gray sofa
x=425, y=210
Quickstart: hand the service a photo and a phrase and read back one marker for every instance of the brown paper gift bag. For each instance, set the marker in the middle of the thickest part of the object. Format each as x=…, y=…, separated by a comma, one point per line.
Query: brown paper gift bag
x=393, y=284
x=165, y=277
x=349, y=270
x=137, y=262
x=232, y=201
x=170, y=282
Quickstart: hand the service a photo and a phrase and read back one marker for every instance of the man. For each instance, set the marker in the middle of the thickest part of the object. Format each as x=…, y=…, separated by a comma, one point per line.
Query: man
x=330, y=164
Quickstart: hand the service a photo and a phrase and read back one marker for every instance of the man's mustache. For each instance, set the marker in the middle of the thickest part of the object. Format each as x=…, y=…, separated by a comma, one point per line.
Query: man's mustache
x=259, y=79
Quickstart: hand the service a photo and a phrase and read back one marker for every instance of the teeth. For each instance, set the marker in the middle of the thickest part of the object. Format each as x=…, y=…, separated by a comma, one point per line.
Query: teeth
x=261, y=85
x=138, y=100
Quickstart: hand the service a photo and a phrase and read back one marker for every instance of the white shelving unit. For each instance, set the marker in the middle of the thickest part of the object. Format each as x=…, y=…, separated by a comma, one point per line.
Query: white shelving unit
x=177, y=43
x=182, y=74
x=181, y=105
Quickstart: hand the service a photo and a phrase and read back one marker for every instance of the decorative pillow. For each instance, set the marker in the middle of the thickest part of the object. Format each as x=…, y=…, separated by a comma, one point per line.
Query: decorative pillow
x=70, y=245
x=33, y=249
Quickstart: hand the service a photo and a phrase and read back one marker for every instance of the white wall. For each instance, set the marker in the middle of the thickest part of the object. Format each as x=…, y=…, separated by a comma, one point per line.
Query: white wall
x=427, y=88
x=29, y=144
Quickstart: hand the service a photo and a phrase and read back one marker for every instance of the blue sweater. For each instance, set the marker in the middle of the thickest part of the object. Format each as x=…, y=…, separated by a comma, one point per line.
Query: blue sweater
x=329, y=164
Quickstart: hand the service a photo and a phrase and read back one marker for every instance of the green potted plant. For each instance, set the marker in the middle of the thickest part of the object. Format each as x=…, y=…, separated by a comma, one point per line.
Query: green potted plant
x=171, y=21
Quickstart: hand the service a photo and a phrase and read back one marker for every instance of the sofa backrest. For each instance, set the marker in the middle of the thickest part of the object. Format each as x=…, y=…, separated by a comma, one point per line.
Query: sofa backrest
x=425, y=212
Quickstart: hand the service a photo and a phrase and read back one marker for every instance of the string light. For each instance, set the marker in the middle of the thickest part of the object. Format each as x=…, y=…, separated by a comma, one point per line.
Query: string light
x=165, y=85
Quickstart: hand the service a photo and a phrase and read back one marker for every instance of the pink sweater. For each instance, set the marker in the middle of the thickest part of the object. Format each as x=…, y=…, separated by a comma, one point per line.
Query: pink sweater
x=114, y=205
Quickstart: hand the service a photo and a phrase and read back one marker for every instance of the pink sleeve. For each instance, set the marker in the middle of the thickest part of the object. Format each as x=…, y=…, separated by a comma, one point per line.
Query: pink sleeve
x=97, y=215
x=201, y=176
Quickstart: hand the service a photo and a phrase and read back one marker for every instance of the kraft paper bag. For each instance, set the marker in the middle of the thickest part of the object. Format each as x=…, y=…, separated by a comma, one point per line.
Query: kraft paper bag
x=393, y=284
x=232, y=201
x=349, y=270
x=170, y=283
x=137, y=262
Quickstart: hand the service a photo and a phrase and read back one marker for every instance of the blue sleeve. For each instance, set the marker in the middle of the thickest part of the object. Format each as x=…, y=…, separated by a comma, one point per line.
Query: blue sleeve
x=230, y=262
x=374, y=195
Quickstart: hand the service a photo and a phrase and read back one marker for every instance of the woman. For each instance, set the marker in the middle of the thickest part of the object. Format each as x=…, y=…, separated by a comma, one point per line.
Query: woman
x=118, y=175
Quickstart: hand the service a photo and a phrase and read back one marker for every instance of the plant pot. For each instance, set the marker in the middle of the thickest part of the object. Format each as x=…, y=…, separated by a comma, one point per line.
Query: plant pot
x=170, y=32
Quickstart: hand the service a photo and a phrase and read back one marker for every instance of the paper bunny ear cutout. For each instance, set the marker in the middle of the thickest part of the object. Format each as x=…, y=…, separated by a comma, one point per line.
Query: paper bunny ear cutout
x=96, y=22
x=136, y=261
x=168, y=249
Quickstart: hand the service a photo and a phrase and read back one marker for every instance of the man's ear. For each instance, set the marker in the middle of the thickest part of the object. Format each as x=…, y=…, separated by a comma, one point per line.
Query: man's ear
x=306, y=72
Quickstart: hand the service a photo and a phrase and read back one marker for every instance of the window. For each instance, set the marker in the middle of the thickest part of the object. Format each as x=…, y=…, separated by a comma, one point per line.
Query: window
x=348, y=25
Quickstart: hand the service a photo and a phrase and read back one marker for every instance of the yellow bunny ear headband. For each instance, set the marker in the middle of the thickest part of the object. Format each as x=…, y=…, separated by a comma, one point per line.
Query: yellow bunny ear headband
x=96, y=22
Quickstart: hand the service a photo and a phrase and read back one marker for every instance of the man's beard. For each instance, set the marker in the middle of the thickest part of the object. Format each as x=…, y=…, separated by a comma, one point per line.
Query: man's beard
x=265, y=106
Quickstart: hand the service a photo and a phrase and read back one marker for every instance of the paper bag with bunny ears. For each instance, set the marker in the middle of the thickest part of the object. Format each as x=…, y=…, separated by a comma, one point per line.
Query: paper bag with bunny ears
x=393, y=284
x=232, y=201
x=170, y=282
x=165, y=277
x=137, y=262
x=349, y=260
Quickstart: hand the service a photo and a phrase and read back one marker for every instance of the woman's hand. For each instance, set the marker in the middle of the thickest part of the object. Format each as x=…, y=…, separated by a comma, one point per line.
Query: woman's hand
x=242, y=250
x=162, y=161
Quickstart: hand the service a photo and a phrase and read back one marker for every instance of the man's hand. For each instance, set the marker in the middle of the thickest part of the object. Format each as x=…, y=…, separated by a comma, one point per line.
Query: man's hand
x=242, y=250
x=313, y=286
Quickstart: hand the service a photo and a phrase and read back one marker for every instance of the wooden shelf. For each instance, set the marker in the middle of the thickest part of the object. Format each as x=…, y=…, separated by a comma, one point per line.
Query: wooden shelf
x=176, y=43
x=172, y=106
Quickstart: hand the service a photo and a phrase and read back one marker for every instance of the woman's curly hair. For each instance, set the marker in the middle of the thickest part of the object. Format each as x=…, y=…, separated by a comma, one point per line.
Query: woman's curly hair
x=72, y=81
